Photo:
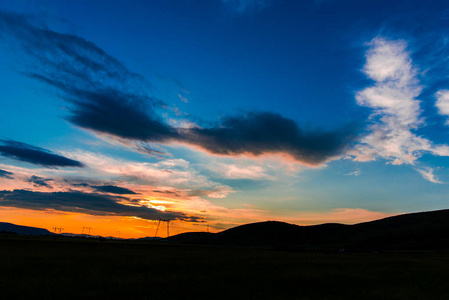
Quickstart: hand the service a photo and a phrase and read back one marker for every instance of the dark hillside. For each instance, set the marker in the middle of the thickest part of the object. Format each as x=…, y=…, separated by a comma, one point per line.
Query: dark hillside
x=24, y=230
x=416, y=231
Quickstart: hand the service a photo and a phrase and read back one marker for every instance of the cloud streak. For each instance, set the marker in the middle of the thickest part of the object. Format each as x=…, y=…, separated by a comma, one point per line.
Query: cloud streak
x=87, y=203
x=427, y=173
x=40, y=181
x=105, y=97
x=6, y=174
x=269, y=133
x=35, y=155
x=113, y=190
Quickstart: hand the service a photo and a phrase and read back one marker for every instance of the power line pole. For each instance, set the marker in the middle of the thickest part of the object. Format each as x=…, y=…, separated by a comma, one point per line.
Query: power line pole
x=157, y=228
x=168, y=228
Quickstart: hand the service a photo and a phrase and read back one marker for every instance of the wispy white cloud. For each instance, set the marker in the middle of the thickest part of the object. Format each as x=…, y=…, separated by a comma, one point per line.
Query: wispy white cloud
x=427, y=173
x=183, y=99
x=355, y=173
x=239, y=171
x=172, y=173
x=396, y=109
x=442, y=103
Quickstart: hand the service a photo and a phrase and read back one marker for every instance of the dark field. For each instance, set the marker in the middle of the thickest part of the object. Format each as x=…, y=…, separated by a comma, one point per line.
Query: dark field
x=49, y=268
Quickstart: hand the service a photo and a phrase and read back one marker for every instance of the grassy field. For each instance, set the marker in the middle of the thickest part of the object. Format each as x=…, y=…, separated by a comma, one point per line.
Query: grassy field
x=49, y=268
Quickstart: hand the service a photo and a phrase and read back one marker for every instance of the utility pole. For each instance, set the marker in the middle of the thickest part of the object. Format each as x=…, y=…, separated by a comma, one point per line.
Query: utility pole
x=157, y=228
x=168, y=228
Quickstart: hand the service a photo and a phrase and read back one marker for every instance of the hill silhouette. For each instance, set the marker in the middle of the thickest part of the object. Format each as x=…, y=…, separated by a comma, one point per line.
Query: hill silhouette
x=415, y=231
x=24, y=230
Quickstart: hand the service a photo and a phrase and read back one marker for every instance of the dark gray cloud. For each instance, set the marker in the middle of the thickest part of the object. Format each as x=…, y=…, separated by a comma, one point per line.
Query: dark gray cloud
x=80, y=184
x=40, y=181
x=107, y=98
x=35, y=155
x=260, y=133
x=176, y=194
x=6, y=174
x=113, y=190
x=87, y=203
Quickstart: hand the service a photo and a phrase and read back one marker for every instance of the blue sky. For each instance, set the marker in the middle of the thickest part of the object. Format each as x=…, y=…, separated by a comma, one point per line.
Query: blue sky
x=223, y=112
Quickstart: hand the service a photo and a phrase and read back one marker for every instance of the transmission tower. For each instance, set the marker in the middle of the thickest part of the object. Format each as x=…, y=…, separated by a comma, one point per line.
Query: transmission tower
x=157, y=228
x=168, y=227
x=58, y=229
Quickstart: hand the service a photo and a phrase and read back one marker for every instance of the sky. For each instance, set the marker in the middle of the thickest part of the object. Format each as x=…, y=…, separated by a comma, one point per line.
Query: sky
x=115, y=115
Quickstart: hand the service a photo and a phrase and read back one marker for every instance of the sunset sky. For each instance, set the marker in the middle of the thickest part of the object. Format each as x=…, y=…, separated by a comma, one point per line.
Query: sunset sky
x=115, y=114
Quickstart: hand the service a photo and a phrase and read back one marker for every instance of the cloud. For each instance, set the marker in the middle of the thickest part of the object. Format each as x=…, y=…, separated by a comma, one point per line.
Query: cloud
x=6, y=174
x=168, y=192
x=269, y=133
x=246, y=6
x=218, y=192
x=40, y=181
x=427, y=173
x=338, y=215
x=87, y=203
x=355, y=173
x=104, y=95
x=442, y=103
x=113, y=190
x=173, y=173
x=233, y=171
x=396, y=109
x=183, y=99
x=27, y=153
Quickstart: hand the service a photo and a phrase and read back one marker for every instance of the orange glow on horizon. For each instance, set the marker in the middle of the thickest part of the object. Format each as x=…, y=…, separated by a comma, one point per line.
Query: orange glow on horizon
x=114, y=226
x=135, y=227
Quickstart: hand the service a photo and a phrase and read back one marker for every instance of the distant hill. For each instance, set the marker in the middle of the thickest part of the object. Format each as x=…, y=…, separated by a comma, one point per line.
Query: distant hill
x=25, y=230
x=416, y=231
x=189, y=237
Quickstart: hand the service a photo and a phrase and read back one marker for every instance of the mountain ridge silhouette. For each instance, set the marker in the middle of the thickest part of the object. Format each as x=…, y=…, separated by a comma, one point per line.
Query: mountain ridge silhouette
x=412, y=231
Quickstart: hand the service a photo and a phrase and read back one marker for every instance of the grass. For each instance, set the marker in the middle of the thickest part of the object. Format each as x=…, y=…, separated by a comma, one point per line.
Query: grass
x=48, y=268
